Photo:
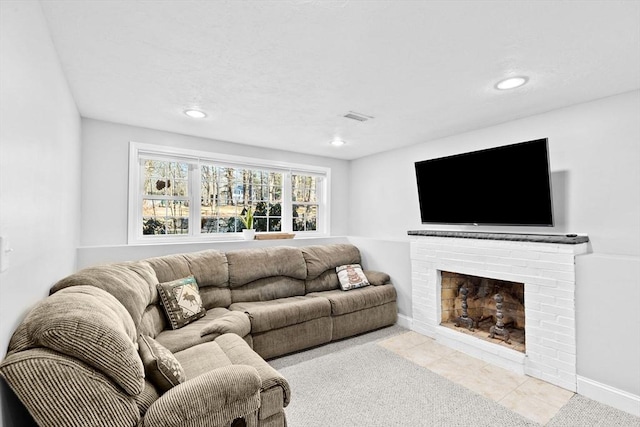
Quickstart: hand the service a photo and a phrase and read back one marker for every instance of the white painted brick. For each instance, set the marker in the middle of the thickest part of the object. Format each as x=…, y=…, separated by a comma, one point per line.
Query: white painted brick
x=526, y=255
x=569, y=340
x=557, y=363
x=564, y=258
x=532, y=372
x=535, y=323
x=560, y=311
x=534, y=331
x=532, y=305
x=567, y=357
x=556, y=380
x=542, y=350
x=551, y=266
x=517, y=262
x=543, y=281
x=539, y=297
x=531, y=289
x=499, y=268
x=533, y=339
x=527, y=271
x=569, y=276
x=548, y=272
x=565, y=303
x=566, y=285
x=473, y=265
x=541, y=315
x=542, y=367
x=569, y=322
x=569, y=378
x=559, y=293
x=558, y=329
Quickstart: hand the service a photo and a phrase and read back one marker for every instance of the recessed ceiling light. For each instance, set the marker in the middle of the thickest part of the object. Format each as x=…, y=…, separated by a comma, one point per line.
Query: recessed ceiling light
x=512, y=83
x=195, y=114
x=337, y=142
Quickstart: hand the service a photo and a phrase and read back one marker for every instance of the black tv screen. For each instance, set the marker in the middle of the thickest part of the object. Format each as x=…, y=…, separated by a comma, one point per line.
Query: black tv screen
x=508, y=185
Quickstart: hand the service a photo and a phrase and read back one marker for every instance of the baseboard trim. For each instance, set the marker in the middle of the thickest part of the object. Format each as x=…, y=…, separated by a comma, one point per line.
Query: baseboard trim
x=404, y=321
x=608, y=395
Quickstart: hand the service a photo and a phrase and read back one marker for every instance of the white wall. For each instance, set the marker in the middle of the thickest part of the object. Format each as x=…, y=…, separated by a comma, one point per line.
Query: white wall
x=39, y=170
x=594, y=156
x=105, y=162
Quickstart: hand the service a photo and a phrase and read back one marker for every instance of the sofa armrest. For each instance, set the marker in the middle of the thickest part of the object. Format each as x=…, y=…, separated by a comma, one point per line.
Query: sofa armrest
x=377, y=278
x=234, y=322
x=212, y=399
x=61, y=391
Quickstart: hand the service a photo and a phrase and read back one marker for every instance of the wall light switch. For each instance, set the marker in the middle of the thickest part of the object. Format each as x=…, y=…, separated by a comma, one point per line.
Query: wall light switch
x=5, y=251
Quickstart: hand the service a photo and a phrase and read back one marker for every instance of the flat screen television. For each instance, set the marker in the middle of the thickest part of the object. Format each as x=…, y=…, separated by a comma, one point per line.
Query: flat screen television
x=508, y=185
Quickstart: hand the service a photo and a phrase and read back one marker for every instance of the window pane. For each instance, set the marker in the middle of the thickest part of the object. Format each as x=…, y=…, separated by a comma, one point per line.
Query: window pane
x=180, y=188
x=275, y=224
x=260, y=224
x=165, y=217
x=303, y=188
x=226, y=193
x=275, y=194
x=305, y=217
x=160, y=178
x=208, y=224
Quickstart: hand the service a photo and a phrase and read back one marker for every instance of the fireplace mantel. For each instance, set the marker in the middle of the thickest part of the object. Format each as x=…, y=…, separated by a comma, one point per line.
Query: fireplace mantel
x=564, y=239
x=544, y=263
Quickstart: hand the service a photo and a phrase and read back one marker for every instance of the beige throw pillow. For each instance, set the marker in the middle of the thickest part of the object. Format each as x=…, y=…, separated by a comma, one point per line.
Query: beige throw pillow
x=351, y=277
x=160, y=365
x=181, y=301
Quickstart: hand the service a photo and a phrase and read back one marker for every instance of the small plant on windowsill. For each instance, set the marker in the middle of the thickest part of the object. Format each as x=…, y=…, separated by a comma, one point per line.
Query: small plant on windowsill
x=249, y=233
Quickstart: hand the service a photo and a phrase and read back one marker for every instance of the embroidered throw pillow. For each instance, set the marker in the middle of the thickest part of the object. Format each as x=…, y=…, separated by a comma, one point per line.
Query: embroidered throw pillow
x=160, y=365
x=181, y=301
x=351, y=277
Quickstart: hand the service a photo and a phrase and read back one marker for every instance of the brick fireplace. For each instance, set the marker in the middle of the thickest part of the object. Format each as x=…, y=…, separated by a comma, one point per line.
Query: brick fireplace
x=535, y=275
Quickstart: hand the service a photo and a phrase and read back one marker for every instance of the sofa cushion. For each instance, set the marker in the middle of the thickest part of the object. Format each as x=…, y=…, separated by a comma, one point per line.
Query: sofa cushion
x=190, y=335
x=202, y=358
x=377, y=278
x=268, y=288
x=357, y=299
x=322, y=261
x=160, y=365
x=89, y=324
x=132, y=283
x=209, y=268
x=351, y=277
x=320, y=258
x=269, y=315
x=233, y=322
x=248, y=265
x=181, y=301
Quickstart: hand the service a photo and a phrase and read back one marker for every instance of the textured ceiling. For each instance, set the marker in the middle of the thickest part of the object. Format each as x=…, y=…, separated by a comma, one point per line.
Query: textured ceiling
x=282, y=74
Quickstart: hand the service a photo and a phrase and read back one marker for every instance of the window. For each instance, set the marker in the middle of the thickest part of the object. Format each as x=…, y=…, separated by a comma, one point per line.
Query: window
x=165, y=197
x=178, y=195
x=305, y=202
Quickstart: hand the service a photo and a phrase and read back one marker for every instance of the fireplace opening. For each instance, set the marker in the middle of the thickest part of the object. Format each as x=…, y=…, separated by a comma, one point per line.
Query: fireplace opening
x=489, y=309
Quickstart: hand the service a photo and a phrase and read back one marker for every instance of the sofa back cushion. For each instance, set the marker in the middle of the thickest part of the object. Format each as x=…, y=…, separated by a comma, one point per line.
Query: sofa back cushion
x=89, y=324
x=131, y=283
x=265, y=274
x=322, y=260
x=211, y=272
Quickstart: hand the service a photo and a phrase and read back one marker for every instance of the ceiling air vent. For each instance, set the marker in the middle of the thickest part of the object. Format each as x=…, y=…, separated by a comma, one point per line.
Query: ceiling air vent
x=357, y=116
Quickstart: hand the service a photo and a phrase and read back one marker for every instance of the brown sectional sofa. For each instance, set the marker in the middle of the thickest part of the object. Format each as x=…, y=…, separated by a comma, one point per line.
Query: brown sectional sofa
x=74, y=359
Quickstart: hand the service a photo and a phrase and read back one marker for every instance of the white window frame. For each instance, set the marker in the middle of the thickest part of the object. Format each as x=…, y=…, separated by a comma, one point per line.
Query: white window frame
x=139, y=151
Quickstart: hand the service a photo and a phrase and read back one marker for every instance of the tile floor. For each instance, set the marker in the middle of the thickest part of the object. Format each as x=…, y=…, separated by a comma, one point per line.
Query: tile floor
x=535, y=399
